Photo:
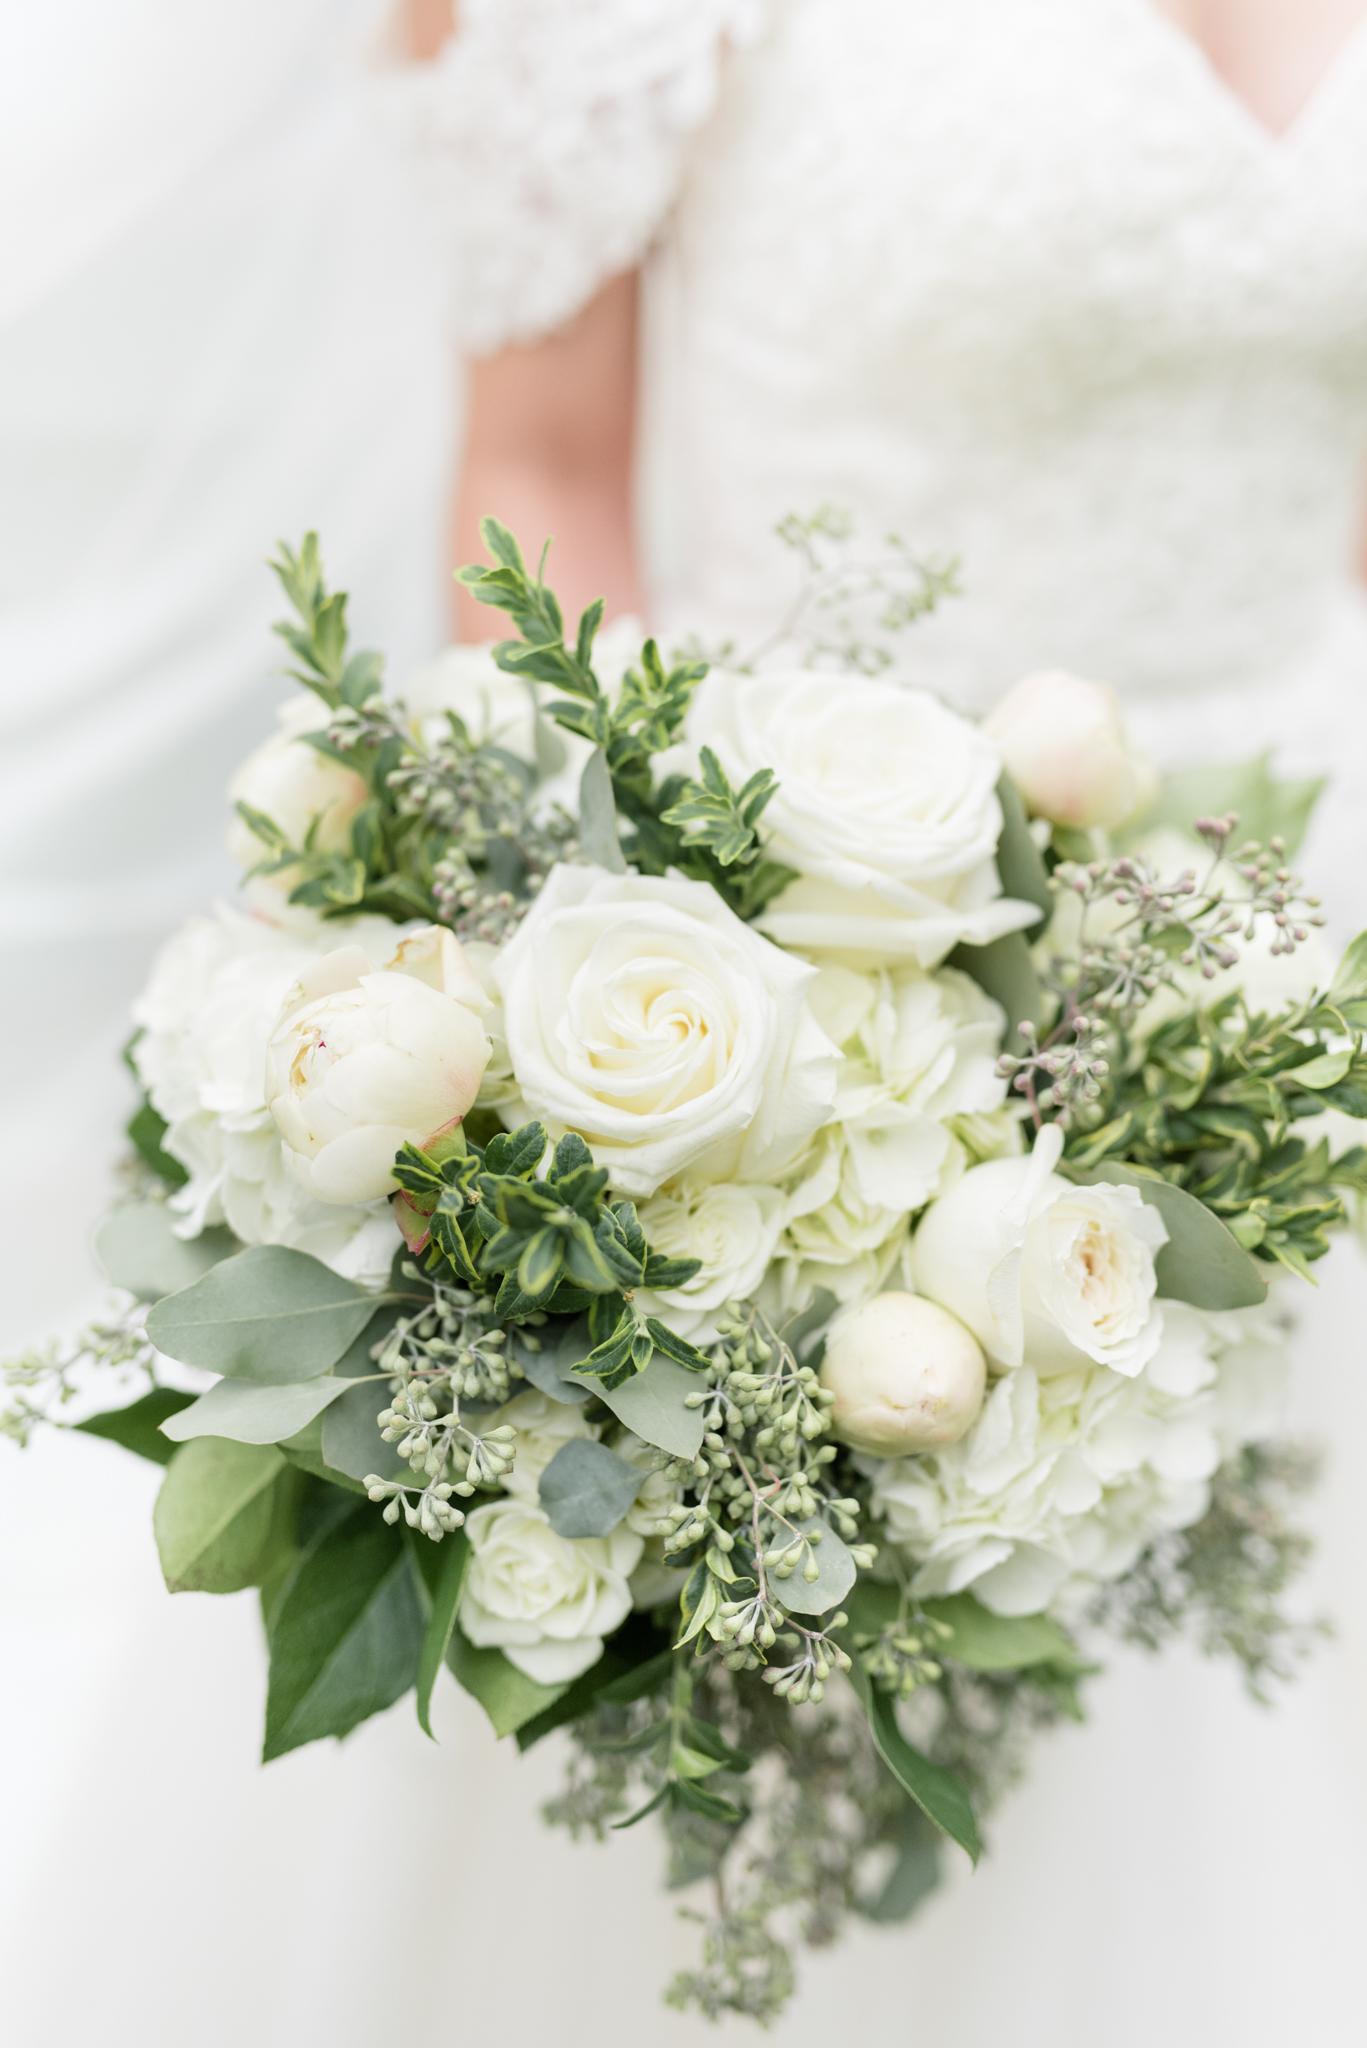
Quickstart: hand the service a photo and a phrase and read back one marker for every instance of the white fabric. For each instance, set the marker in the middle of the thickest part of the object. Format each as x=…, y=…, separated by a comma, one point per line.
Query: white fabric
x=1016, y=276
x=550, y=139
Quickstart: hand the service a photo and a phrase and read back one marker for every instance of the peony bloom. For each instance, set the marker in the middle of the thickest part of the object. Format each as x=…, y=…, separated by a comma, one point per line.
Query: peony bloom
x=1068, y=752
x=905, y=1374
x=546, y=1601
x=1045, y=1274
x=208, y=1009
x=886, y=807
x=293, y=784
x=643, y=1014
x=361, y=1062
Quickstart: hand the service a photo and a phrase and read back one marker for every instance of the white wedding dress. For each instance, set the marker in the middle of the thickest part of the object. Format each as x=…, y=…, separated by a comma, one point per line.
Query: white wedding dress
x=1021, y=279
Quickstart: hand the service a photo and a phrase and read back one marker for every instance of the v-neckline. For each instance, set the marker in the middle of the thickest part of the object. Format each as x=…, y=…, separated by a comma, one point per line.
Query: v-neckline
x=1275, y=141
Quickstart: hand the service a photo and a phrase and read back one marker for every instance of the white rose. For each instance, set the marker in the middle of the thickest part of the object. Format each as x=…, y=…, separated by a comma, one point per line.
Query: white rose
x=886, y=807
x=543, y=1428
x=731, y=1227
x=1064, y=742
x=361, y=1062
x=643, y=1014
x=546, y=1601
x=293, y=784
x=1044, y=1273
x=208, y=1009
x=906, y=1375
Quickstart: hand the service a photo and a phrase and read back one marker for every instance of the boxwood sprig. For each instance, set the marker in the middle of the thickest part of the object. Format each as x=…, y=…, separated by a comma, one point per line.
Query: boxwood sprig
x=551, y=1243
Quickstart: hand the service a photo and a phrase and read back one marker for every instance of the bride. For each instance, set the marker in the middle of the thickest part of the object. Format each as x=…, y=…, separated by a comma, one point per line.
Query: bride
x=1075, y=290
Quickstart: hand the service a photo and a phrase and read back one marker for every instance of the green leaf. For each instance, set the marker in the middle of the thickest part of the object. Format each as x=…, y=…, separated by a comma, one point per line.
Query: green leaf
x=1019, y=861
x=836, y=1573
x=652, y=1404
x=1326, y=1071
x=146, y=1130
x=507, y=1695
x=443, y=1567
x=351, y=1441
x=598, y=816
x=346, y=1637
x=252, y=1414
x=562, y=1345
x=1004, y=971
x=636, y=1661
x=999, y=1642
x=1267, y=805
x=1202, y=1263
x=914, y=1875
x=224, y=1517
x=586, y=1489
x=139, y=1250
x=1350, y=982
x=269, y=1314
x=138, y=1427
x=305, y=1449
x=678, y=1348
x=940, y=1797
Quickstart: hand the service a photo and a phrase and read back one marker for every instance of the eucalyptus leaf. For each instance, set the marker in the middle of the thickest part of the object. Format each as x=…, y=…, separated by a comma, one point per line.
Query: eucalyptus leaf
x=351, y=1441
x=1201, y=1262
x=586, y=1489
x=507, y=1695
x=139, y=1250
x=998, y=1642
x=305, y=1449
x=915, y=1874
x=252, y=1414
x=442, y=1567
x=224, y=1517
x=598, y=840
x=1005, y=971
x=1020, y=864
x=346, y=1635
x=836, y=1574
x=270, y=1314
x=636, y=1660
x=652, y=1404
x=939, y=1795
x=548, y=1368
x=138, y=1427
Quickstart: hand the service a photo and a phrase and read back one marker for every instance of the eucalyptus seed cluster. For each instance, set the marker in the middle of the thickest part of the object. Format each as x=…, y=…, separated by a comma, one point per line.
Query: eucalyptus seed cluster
x=1063, y=1074
x=442, y=1354
x=818, y=1653
x=901, y=1658
x=758, y=1499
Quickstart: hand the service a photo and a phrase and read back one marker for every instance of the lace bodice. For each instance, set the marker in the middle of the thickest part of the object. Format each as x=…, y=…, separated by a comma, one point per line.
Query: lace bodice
x=1019, y=278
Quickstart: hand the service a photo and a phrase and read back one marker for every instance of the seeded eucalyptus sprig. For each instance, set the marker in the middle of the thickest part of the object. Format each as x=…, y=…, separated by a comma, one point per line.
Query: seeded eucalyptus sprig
x=705, y=829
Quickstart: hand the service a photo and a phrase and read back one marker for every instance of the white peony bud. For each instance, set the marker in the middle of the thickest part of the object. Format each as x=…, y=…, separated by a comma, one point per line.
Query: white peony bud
x=361, y=1062
x=906, y=1375
x=1068, y=752
x=292, y=783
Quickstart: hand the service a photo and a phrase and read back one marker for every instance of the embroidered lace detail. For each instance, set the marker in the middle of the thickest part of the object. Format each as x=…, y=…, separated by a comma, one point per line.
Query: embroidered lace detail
x=549, y=139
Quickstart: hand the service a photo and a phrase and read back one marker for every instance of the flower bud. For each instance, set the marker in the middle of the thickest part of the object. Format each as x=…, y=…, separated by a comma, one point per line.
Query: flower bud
x=1068, y=752
x=906, y=1375
x=361, y=1063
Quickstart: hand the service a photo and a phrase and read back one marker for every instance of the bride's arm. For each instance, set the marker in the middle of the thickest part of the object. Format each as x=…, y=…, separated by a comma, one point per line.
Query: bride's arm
x=548, y=450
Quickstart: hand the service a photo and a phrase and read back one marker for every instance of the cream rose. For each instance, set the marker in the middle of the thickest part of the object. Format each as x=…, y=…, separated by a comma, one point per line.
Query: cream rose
x=886, y=807
x=641, y=1013
x=733, y=1229
x=1069, y=754
x=1045, y=1274
x=361, y=1062
x=546, y=1601
x=293, y=784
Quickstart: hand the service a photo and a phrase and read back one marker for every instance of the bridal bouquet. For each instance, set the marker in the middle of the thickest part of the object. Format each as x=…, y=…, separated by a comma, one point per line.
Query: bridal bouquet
x=732, y=1212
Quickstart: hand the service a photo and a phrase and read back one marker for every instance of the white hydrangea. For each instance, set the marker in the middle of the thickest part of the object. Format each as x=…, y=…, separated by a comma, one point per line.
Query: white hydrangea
x=1063, y=1481
x=206, y=1013
x=918, y=1100
x=731, y=1227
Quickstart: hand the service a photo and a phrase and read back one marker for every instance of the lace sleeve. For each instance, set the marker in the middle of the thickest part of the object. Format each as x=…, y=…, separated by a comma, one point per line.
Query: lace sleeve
x=548, y=139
